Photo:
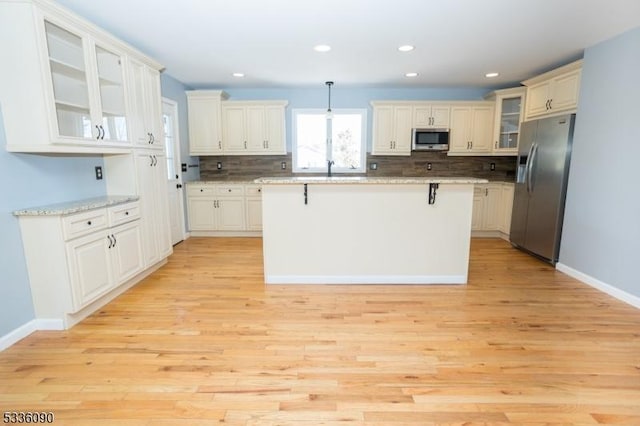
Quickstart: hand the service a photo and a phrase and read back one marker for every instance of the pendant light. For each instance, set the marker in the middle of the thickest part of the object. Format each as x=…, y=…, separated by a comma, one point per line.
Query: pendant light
x=329, y=113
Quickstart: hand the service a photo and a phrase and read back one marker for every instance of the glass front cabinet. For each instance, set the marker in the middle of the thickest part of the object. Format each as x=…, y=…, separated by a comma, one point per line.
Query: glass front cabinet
x=509, y=104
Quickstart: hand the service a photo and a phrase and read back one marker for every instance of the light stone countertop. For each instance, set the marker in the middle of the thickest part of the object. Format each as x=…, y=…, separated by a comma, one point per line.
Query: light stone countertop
x=60, y=209
x=222, y=182
x=366, y=180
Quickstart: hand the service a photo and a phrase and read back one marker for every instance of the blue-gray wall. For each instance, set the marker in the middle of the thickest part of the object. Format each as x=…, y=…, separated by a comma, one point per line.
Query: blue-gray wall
x=601, y=236
x=349, y=98
x=31, y=180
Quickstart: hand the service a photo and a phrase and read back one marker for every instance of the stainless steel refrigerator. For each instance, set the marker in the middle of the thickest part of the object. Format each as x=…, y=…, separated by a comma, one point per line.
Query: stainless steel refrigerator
x=544, y=155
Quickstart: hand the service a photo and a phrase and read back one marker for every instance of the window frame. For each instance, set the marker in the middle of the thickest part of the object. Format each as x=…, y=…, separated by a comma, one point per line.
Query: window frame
x=339, y=111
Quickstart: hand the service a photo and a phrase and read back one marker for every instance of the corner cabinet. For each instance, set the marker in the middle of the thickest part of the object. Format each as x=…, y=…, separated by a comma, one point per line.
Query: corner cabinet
x=471, y=129
x=392, y=125
x=509, y=108
x=492, y=204
x=553, y=92
x=67, y=88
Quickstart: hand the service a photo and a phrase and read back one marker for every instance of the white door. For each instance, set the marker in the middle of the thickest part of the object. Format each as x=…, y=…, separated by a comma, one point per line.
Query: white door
x=172, y=146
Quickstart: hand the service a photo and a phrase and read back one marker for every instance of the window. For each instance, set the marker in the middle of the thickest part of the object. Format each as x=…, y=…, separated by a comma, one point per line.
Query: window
x=346, y=145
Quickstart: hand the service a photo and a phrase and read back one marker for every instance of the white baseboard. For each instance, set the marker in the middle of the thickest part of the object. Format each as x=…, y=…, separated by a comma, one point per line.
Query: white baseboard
x=26, y=329
x=602, y=286
x=365, y=279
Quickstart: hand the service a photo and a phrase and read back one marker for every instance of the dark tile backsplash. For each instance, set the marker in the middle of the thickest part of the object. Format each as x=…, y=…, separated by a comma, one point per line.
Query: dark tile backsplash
x=254, y=166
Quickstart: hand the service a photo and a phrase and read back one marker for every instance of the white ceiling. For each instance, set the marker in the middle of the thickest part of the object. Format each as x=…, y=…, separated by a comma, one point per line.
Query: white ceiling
x=202, y=42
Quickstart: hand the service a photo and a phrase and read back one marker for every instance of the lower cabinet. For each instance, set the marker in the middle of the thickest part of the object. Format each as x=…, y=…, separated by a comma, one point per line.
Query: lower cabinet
x=75, y=259
x=233, y=207
x=492, y=205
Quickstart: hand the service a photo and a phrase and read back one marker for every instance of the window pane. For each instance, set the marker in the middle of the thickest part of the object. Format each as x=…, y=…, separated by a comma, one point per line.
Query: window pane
x=346, y=138
x=168, y=143
x=311, y=131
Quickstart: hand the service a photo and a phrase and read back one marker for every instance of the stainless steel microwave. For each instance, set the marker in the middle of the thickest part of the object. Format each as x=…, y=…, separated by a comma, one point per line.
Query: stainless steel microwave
x=430, y=140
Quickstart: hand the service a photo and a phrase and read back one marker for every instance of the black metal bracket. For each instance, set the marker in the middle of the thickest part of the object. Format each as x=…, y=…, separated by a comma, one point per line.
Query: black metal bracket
x=432, y=192
x=305, y=194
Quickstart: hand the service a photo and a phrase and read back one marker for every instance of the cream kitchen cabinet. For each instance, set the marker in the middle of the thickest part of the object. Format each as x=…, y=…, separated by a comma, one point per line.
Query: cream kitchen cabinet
x=509, y=108
x=253, y=207
x=492, y=205
x=471, y=129
x=553, y=92
x=431, y=116
x=392, y=125
x=216, y=207
x=151, y=174
x=146, y=104
x=205, y=121
x=251, y=127
x=66, y=90
x=76, y=258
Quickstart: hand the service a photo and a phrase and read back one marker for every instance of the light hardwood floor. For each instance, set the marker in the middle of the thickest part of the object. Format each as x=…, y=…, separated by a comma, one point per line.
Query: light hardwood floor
x=203, y=341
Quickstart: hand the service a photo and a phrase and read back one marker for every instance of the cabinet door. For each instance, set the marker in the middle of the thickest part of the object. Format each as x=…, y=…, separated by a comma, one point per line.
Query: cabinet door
x=233, y=129
x=202, y=214
x=254, y=214
x=274, y=129
x=146, y=114
x=230, y=212
x=565, y=92
x=422, y=117
x=89, y=268
x=477, y=214
x=459, y=133
x=383, y=130
x=481, y=129
x=440, y=114
x=403, y=126
x=508, y=115
x=113, y=114
x=537, y=97
x=255, y=131
x=506, y=202
x=205, y=135
x=70, y=79
x=153, y=107
x=493, y=211
x=126, y=252
x=136, y=100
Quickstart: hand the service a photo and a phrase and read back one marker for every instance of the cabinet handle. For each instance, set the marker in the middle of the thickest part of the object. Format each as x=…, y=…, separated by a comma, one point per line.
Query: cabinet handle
x=496, y=145
x=219, y=144
x=114, y=240
x=110, y=242
x=149, y=136
x=98, y=129
x=103, y=132
x=486, y=192
x=267, y=142
x=471, y=145
x=390, y=145
x=245, y=144
x=550, y=103
x=153, y=138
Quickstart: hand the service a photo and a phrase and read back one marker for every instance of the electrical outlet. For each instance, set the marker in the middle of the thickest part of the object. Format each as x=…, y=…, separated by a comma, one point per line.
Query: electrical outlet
x=428, y=166
x=183, y=167
x=493, y=167
x=98, y=173
x=283, y=165
x=219, y=165
x=373, y=166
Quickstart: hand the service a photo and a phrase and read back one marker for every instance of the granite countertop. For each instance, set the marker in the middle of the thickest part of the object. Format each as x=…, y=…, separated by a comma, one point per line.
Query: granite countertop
x=70, y=207
x=222, y=182
x=366, y=180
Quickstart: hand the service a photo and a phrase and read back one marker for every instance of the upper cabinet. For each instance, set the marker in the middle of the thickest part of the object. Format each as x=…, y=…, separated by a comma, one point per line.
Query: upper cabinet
x=553, y=92
x=509, y=107
x=205, y=121
x=426, y=116
x=471, y=129
x=146, y=105
x=253, y=127
x=68, y=88
x=392, y=125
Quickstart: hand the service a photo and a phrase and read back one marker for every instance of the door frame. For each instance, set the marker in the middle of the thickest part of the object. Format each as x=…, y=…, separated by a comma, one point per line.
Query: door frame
x=177, y=160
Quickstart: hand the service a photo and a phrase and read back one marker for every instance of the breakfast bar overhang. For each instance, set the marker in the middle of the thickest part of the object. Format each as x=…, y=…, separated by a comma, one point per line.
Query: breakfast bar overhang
x=361, y=230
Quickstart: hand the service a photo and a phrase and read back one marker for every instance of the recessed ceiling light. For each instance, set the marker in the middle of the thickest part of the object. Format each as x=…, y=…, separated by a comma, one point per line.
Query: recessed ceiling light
x=238, y=74
x=411, y=74
x=322, y=48
x=406, y=48
x=491, y=74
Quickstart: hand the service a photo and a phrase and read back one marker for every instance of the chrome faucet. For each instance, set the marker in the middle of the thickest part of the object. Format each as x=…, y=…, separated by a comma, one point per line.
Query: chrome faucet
x=329, y=164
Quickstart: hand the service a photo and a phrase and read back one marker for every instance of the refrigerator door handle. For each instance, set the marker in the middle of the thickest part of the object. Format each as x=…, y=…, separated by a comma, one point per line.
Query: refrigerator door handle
x=532, y=158
x=526, y=167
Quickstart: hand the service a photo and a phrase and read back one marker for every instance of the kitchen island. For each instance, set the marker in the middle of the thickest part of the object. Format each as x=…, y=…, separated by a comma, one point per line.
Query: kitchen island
x=362, y=230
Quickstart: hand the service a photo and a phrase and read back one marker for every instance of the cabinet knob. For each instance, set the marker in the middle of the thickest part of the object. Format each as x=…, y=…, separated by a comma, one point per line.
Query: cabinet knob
x=126, y=213
x=202, y=190
x=259, y=189
x=89, y=222
x=228, y=190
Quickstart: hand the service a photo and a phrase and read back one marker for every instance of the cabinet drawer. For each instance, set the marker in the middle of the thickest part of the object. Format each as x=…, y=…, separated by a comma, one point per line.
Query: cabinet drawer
x=84, y=223
x=201, y=191
x=230, y=190
x=253, y=190
x=123, y=213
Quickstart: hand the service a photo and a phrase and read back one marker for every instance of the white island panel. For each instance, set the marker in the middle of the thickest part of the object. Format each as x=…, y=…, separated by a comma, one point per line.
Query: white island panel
x=378, y=233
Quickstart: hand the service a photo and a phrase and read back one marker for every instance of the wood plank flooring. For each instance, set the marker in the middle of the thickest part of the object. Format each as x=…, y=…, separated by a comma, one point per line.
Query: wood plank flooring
x=204, y=341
